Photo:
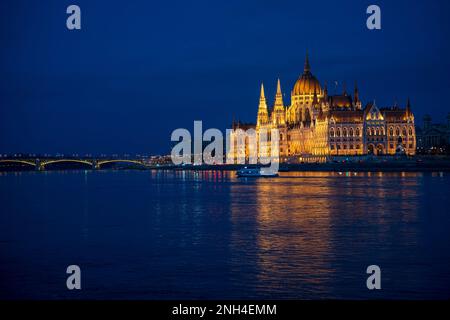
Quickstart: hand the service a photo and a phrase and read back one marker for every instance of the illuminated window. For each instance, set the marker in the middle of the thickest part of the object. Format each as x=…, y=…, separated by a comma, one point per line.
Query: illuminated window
x=397, y=131
x=357, y=132
x=345, y=132
x=351, y=132
x=391, y=131
x=338, y=133
x=332, y=132
x=410, y=131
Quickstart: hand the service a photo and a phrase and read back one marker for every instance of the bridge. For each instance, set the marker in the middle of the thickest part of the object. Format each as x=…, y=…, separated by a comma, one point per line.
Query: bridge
x=92, y=163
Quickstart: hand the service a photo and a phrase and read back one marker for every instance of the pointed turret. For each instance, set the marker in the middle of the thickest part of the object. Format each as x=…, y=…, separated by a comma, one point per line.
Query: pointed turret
x=356, y=94
x=321, y=114
x=307, y=67
x=278, y=96
x=278, y=114
x=263, y=114
x=409, y=113
x=315, y=101
x=356, y=101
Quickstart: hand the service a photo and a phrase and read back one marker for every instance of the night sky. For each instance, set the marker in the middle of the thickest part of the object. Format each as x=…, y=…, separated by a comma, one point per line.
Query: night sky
x=137, y=70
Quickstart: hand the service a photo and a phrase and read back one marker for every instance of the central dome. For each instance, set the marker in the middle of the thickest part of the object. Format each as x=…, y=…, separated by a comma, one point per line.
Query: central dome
x=307, y=84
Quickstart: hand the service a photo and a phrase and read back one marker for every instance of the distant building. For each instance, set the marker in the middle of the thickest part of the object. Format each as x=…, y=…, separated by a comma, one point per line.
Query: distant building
x=433, y=138
x=317, y=125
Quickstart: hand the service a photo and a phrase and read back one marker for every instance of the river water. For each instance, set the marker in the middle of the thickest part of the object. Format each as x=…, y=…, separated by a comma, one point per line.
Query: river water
x=210, y=235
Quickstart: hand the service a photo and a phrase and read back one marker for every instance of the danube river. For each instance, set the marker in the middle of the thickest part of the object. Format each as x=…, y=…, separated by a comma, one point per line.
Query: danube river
x=210, y=235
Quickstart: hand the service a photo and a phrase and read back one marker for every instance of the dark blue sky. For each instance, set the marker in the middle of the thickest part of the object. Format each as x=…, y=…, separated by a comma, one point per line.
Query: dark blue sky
x=139, y=69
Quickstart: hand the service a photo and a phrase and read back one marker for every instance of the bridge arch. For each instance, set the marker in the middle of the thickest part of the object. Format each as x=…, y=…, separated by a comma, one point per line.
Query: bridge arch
x=44, y=163
x=139, y=162
x=18, y=161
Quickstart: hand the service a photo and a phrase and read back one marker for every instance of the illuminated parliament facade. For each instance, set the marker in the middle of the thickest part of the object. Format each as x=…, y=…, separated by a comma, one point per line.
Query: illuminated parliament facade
x=318, y=125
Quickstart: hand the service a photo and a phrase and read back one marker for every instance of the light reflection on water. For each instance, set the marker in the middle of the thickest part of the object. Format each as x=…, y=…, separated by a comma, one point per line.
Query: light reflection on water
x=208, y=234
x=321, y=224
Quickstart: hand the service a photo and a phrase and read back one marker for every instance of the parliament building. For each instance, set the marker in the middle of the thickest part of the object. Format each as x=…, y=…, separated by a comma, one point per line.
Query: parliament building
x=317, y=125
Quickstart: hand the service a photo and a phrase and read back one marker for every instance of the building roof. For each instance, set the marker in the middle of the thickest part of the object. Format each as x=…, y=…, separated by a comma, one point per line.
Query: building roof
x=243, y=125
x=347, y=115
x=340, y=101
x=307, y=84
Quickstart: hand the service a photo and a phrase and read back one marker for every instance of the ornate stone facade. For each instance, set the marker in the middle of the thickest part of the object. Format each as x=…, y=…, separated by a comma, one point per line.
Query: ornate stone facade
x=317, y=125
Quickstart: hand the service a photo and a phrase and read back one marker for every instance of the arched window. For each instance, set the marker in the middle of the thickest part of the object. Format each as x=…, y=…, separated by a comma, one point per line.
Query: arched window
x=338, y=132
x=332, y=132
x=410, y=131
x=382, y=131
x=357, y=132
x=397, y=131
x=351, y=132
x=345, y=132
x=404, y=132
x=378, y=131
x=372, y=132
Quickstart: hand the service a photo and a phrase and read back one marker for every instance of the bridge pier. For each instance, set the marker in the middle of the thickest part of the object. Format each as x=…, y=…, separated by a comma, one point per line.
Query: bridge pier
x=38, y=166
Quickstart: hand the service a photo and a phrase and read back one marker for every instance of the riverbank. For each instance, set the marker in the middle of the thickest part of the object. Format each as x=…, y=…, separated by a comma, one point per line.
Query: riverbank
x=416, y=164
x=335, y=167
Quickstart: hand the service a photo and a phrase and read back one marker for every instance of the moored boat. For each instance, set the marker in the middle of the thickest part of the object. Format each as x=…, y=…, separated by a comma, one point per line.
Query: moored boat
x=256, y=172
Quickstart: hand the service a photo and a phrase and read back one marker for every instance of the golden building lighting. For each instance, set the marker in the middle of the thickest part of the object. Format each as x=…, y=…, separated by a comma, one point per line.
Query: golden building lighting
x=317, y=125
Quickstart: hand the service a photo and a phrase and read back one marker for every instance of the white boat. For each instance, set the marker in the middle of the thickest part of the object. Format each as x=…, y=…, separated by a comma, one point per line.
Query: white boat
x=256, y=172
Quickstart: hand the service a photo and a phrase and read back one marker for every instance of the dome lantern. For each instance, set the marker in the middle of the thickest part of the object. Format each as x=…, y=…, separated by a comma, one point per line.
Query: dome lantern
x=307, y=84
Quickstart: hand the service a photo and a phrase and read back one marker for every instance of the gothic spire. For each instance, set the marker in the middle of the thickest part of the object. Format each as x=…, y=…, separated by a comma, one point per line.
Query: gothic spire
x=408, y=108
x=315, y=100
x=279, y=96
x=262, y=99
x=320, y=113
x=263, y=114
x=307, y=67
x=278, y=114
